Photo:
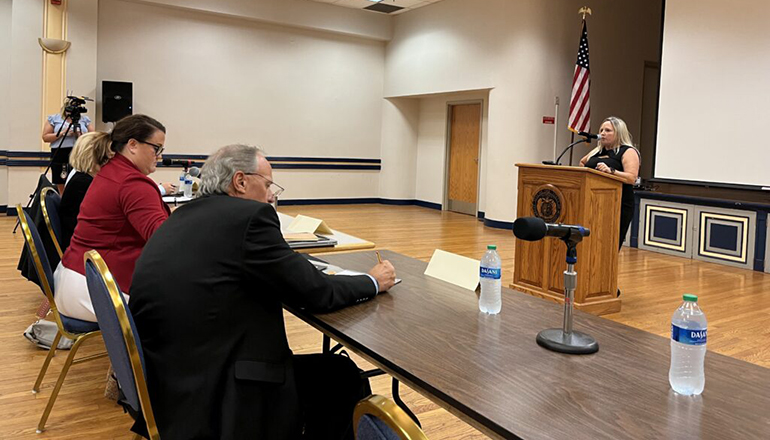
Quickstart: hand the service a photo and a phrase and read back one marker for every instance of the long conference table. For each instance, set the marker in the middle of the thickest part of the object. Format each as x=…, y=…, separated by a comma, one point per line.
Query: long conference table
x=345, y=242
x=489, y=371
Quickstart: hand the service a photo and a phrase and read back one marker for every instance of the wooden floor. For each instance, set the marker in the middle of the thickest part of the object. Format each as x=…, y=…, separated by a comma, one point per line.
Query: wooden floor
x=736, y=301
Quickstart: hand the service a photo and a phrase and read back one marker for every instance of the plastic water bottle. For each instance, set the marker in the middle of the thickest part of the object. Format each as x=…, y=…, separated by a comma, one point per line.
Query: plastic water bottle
x=188, y=186
x=688, y=348
x=491, y=300
x=180, y=187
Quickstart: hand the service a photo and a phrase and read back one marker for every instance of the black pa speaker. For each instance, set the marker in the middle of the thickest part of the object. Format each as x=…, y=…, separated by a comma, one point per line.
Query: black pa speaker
x=117, y=101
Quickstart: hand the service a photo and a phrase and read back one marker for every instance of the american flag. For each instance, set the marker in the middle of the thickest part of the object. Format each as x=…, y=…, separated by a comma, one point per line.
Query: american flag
x=579, y=104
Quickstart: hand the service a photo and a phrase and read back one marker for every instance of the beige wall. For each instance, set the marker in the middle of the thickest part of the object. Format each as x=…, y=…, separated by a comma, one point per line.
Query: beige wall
x=5, y=75
x=82, y=25
x=524, y=52
x=21, y=23
x=399, y=148
x=215, y=80
x=24, y=88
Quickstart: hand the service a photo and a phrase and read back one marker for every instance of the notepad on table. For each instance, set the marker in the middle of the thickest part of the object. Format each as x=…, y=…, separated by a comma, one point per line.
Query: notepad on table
x=303, y=223
x=300, y=236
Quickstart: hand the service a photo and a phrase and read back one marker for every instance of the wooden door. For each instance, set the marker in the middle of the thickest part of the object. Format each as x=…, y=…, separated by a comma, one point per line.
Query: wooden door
x=463, y=173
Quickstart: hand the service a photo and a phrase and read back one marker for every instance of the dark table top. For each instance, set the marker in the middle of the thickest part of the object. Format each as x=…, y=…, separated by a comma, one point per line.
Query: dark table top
x=489, y=370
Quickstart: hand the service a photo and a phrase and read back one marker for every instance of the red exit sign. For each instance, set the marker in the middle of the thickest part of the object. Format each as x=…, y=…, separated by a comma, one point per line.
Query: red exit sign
x=549, y=120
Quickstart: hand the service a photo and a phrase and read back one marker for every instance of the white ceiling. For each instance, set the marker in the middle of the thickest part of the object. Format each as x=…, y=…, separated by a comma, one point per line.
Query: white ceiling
x=408, y=5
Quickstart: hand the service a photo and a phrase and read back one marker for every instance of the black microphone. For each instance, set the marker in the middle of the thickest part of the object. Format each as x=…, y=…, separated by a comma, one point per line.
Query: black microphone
x=534, y=229
x=588, y=135
x=171, y=162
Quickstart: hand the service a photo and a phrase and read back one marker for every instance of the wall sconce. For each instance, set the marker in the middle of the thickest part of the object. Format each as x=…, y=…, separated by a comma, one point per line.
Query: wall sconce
x=52, y=45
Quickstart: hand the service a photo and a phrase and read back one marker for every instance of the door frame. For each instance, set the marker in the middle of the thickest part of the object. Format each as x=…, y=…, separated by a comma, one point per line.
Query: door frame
x=447, y=146
x=653, y=143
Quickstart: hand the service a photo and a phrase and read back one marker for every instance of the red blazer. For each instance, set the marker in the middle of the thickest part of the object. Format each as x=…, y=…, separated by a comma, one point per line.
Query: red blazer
x=119, y=213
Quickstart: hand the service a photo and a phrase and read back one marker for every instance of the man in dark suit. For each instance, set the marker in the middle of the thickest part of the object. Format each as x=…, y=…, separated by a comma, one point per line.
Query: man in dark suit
x=206, y=299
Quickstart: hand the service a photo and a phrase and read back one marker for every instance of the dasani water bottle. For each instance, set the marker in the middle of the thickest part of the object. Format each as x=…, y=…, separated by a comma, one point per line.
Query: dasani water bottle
x=180, y=188
x=688, y=348
x=188, y=183
x=490, y=300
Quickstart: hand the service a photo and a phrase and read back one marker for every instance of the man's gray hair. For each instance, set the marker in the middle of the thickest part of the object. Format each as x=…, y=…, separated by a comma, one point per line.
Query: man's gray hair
x=219, y=169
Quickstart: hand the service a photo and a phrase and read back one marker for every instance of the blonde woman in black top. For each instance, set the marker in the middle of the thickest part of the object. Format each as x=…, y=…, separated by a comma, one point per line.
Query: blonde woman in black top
x=616, y=155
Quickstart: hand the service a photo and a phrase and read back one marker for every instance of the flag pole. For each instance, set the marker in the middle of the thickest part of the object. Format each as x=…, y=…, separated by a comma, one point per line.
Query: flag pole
x=555, y=128
x=585, y=10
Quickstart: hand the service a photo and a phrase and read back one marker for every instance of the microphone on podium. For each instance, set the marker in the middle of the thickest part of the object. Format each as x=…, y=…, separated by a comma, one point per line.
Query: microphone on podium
x=588, y=135
x=586, y=138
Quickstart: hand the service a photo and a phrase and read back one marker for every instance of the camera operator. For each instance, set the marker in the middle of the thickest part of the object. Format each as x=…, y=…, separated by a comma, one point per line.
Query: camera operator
x=56, y=127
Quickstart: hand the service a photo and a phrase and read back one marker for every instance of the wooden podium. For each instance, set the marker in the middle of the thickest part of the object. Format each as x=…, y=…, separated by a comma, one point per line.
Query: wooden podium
x=575, y=196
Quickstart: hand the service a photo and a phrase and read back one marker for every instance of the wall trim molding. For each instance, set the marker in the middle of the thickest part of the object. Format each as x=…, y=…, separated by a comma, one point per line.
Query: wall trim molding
x=498, y=224
x=41, y=159
x=361, y=201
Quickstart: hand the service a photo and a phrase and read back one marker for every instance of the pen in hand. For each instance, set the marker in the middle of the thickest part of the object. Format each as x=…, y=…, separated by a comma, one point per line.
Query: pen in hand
x=379, y=258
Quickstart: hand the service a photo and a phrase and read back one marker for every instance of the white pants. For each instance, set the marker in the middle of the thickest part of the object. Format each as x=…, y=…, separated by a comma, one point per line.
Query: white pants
x=71, y=294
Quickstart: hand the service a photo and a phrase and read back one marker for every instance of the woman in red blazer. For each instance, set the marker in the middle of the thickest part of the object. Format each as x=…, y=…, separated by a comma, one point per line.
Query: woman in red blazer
x=121, y=210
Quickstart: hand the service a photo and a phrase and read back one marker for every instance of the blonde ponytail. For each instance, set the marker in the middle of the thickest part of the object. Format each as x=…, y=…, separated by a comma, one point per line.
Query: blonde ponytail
x=91, y=151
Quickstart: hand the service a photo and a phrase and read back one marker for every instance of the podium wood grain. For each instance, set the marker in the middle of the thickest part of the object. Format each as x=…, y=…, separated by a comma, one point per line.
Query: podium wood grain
x=489, y=371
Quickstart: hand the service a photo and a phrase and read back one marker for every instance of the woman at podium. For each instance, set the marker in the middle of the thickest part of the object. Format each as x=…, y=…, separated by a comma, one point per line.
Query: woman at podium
x=616, y=155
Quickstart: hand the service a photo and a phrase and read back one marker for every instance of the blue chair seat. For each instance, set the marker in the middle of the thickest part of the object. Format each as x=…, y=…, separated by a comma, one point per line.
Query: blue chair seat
x=372, y=428
x=73, y=325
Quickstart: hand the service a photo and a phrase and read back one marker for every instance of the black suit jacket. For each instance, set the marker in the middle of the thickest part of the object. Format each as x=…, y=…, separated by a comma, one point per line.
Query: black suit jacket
x=206, y=299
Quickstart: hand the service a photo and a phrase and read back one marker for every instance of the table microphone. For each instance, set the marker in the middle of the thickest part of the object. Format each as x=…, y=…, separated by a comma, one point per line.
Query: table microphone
x=533, y=229
x=171, y=162
x=565, y=339
x=194, y=172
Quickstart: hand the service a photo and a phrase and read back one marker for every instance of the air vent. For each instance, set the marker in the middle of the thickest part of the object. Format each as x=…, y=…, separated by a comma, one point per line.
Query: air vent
x=386, y=9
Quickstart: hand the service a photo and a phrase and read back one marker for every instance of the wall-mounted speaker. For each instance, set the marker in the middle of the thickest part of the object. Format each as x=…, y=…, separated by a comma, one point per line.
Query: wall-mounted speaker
x=117, y=100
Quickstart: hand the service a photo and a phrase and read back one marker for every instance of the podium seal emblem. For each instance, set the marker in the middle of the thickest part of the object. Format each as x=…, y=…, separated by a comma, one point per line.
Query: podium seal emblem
x=547, y=203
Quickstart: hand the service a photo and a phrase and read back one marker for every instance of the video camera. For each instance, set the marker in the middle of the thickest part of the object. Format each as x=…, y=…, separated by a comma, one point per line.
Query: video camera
x=75, y=106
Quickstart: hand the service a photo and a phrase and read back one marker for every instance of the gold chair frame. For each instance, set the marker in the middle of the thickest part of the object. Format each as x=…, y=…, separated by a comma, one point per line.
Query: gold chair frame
x=78, y=338
x=128, y=337
x=48, y=224
x=386, y=410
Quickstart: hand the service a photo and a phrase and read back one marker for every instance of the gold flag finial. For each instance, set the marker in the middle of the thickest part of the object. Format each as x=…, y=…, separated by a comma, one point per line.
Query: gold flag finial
x=583, y=11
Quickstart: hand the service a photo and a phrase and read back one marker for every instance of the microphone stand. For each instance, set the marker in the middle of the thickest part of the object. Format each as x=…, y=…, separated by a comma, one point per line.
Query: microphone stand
x=569, y=147
x=566, y=340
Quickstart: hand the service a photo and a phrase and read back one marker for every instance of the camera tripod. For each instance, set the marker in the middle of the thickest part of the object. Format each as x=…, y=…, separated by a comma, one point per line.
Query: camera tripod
x=74, y=121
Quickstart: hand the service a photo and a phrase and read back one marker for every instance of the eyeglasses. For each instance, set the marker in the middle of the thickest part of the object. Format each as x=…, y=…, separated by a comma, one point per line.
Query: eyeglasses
x=274, y=188
x=158, y=148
